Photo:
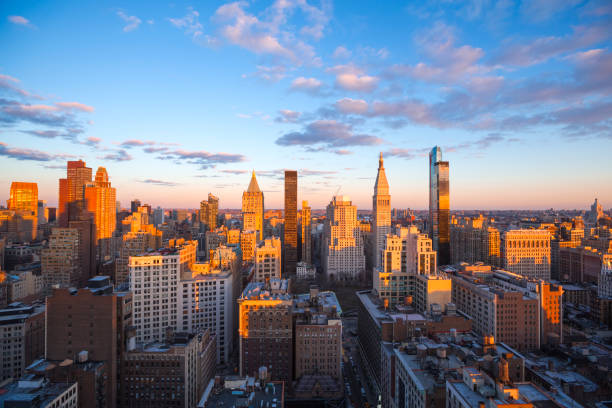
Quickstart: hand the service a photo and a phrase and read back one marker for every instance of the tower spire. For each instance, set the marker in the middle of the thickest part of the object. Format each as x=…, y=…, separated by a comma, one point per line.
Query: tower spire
x=380, y=161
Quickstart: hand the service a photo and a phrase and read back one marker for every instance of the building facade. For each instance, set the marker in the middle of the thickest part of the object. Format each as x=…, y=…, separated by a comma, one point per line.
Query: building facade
x=381, y=211
x=342, y=249
x=101, y=201
x=527, y=252
x=253, y=208
x=290, y=214
x=306, y=233
x=439, y=205
x=268, y=260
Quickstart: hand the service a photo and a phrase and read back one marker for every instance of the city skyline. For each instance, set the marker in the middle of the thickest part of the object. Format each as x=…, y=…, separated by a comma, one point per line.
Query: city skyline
x=164, y=100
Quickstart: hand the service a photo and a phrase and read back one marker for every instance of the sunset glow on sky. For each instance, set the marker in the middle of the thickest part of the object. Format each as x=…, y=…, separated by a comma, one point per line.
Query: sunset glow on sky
x=181, y=99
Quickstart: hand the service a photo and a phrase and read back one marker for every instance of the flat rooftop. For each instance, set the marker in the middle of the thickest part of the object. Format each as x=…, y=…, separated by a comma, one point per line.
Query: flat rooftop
x=32, y=391
x=270, y=396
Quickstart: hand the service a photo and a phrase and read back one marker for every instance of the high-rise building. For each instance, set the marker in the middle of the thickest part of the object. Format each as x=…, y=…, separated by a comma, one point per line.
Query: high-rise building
x=439, y=205
x=280, y=332
x=24, y=197
x=266, y=329
x=248, y=243
x=290, y=236
x=94, y=320
x=268, y=260
x=318, y=335
x=527, y=252
x=21, y=221
x=86, y=228
x=154, y=281
x=173, y=373
x=208, y=300
x=22, y=339
x=209, y=211
x=604, y=285
x=520, y=311
x=101, y=198
x=253, y=208
x=473, y=240
x=381, y=209
x=343, y=251
x=306, y=233
x=406, y=255
x=141, y=237
x=61, y=261
x=72, y=191
x=134, y=205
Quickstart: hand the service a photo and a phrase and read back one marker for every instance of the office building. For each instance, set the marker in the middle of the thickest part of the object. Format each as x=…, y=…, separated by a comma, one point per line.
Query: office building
x=18, y=226
x=381, y=209
x=173, y=373
x=342, y=249
x=268, y=260
x=306, y=233
x=521, y=312
x=430, y=290
x=604, y=286
x=248, y=243
x=134, y=205
x=60, y=260
x=141, y=237
x=24, y=197
x=474, y=240
x=253, y=208
x=439, y=205
x=94, y=320
x=266, y=330
x=100, y=202
x=527, y=253
x=86, y=228
x=290, y=214
x=208, y=212
x=155, y=281
x=208, y=299
x=22, y=339
x=72, y=191
x=318, y=335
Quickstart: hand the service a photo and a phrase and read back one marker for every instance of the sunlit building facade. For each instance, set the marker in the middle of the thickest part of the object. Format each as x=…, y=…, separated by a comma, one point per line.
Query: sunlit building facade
x=208, y=212
x=101, y=201
x=268, y=260
x=439, y=205
x=342, y=249
x=381, y=209
x=72, y=191
x=253, y=208
x=306, y=233
x=527, y=252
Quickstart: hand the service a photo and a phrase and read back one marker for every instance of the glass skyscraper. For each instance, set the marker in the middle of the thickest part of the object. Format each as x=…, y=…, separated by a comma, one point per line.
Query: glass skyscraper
x=439, y=205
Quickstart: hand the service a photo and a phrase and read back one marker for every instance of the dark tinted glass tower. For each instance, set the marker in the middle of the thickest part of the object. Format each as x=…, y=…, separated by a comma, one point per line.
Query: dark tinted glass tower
x=439, y=205
x=290, y=239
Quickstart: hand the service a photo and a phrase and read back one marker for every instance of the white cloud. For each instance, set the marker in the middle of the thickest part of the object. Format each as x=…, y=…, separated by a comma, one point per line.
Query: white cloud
x=306, y=84
x=132, y=22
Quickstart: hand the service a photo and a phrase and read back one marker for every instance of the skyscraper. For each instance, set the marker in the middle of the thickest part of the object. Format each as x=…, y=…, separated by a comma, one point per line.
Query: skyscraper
x=101, y=199
x=306, y=234
x=253, y=208
x=290, y=241
x=381, y=207
x=72, y=191
x=439, y=205
x=23, y=202
x=24, y=197
x=208, y=212
x=343, y=257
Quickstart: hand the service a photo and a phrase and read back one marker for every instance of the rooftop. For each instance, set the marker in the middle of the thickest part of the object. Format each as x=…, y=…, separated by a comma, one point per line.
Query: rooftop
x=32, y=391
x=242, y=393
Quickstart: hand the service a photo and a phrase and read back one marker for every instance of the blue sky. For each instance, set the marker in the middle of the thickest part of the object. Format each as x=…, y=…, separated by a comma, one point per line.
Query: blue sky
x=180, y=99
